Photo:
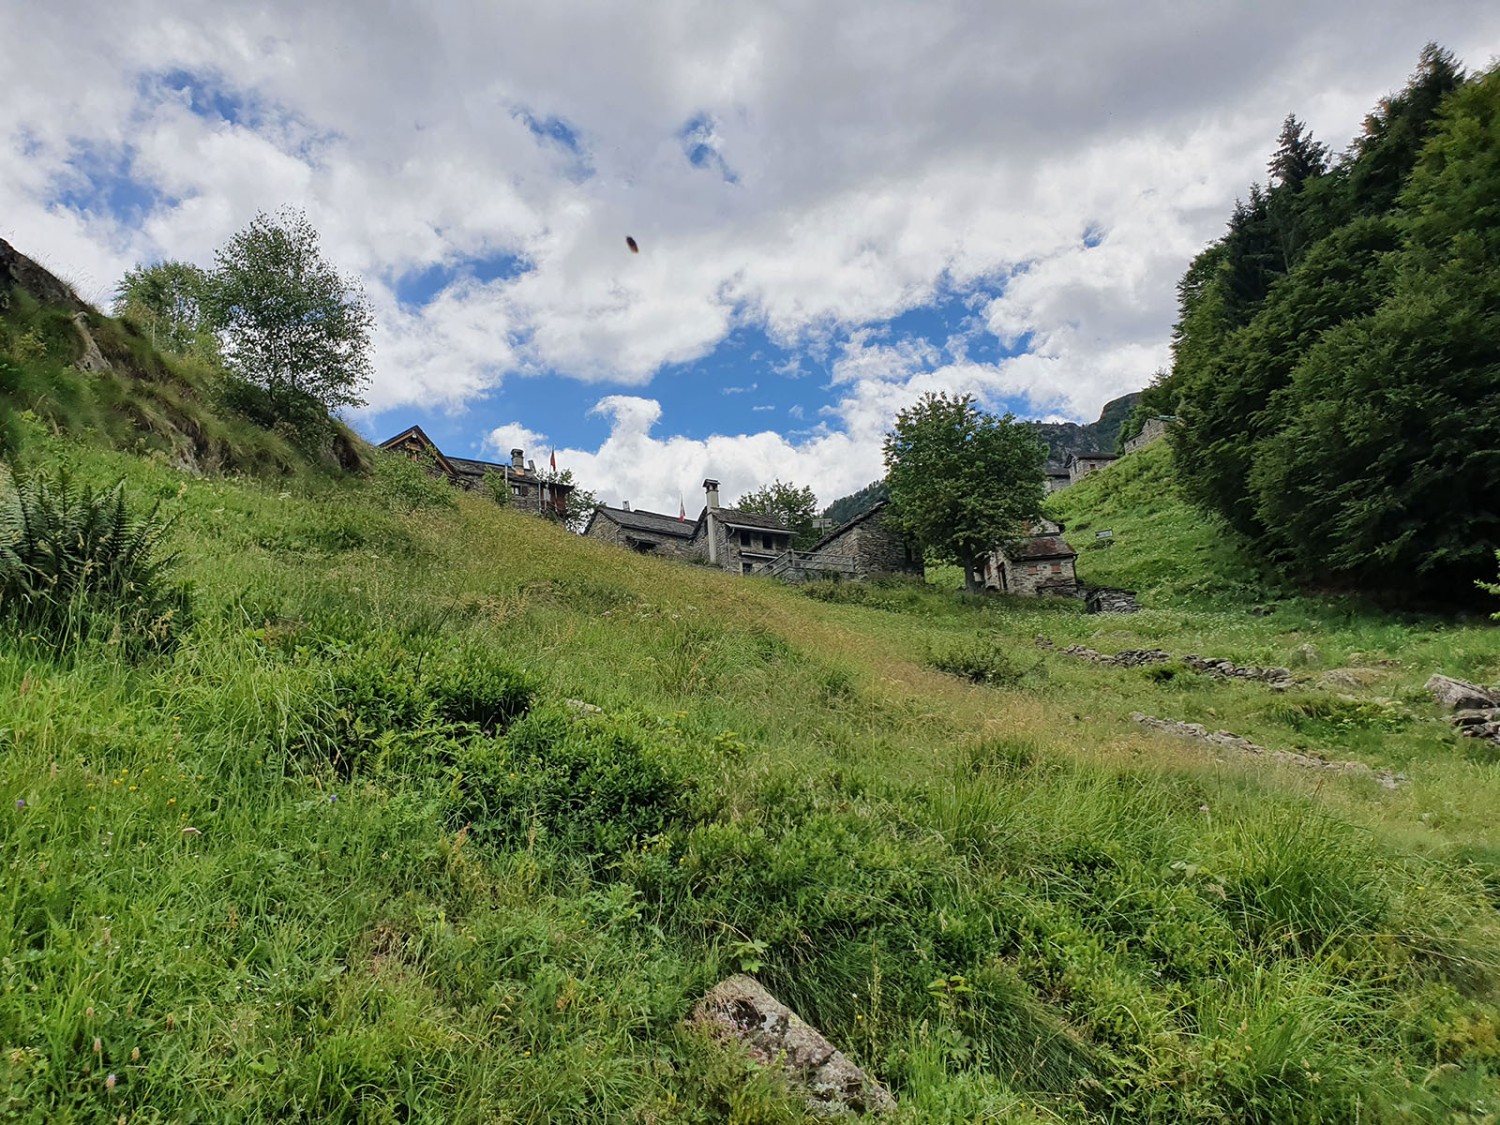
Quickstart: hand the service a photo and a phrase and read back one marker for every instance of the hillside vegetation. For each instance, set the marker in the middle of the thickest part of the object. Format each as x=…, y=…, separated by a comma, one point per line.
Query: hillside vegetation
x=1334, y=362
x=360, y=848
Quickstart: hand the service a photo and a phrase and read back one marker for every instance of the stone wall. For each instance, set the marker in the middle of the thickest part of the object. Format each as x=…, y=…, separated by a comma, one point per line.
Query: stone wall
x=605, y=530
x=1102, y=599
x=875, y=550
x=1153, y=430
x=1032, y=578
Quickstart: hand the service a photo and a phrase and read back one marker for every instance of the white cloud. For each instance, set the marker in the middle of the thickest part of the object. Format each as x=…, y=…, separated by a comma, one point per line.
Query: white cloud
x=512, y=435
x=880, y=153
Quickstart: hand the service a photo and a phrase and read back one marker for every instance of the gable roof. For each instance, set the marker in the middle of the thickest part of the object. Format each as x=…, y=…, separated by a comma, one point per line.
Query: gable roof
x=634, y=519
x=467, y=467
x=1040, y=547
x=878, y=506
x=737, y=517
x=1094, y=456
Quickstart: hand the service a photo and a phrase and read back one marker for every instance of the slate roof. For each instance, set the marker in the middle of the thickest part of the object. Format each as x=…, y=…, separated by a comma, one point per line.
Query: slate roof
x=734, y=517
x=1094, y=456
x=1041, y=547
x=1055, y=470
x=855, y=522
x=471, y=470
x=654, y=522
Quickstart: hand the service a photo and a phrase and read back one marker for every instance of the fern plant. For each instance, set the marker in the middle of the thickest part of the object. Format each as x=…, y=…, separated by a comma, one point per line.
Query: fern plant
x=77, y=564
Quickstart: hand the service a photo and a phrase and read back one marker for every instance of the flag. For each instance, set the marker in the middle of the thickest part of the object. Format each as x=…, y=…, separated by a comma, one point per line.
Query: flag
x=681, y=510
x=554, y=459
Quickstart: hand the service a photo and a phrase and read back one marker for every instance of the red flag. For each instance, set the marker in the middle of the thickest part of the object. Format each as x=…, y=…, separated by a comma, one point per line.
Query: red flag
x=681, y=510
x=554, y=460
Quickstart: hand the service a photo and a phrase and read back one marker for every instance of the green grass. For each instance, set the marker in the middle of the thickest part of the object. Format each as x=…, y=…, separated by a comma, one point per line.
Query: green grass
x=424, y=887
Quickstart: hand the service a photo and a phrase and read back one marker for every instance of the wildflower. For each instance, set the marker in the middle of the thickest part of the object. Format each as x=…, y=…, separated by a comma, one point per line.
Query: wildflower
x=109, y=1082
x=88, y=1013
x=333, y=798
x=135, y=1054
x=171, y=800
x=98, y=1046
x=20, y=802
x=171, y=1021
x=1202, y=808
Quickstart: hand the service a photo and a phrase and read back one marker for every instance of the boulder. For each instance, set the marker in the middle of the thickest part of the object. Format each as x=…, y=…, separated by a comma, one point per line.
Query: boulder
x=774, y=1035
x=1459, y=695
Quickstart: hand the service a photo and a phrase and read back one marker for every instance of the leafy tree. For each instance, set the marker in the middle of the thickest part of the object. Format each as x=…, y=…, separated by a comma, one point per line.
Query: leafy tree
x=846, y=508
x=169, y=302
x=288, y=322
x=793, y=506
x=581, y=502
x=962, y=481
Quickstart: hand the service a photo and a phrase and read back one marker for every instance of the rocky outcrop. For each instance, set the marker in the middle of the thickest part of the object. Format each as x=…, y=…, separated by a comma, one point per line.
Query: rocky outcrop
x=1460, y=695
x=18, y=272
x=1224, y=739
x=774, y=1035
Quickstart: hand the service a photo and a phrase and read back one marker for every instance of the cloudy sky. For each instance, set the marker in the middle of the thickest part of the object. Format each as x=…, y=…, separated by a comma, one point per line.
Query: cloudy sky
x=839, y=205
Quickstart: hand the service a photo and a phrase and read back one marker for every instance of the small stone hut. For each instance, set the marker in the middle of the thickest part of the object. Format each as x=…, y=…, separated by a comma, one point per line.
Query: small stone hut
x=1080, y=465
x=1041, y=564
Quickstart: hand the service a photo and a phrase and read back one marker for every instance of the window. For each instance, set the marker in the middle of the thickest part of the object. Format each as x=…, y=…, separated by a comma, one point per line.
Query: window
x=746, y=567
x=769, y=541
x=1033, y=569
x=517, y=490
x=1057, y=568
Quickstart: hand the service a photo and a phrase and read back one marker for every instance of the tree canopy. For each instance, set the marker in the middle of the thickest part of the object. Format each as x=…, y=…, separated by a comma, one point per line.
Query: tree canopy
x=288, y=321
x=1334, y=364
x=797, y=507
x=169, y=302
x=962, y=481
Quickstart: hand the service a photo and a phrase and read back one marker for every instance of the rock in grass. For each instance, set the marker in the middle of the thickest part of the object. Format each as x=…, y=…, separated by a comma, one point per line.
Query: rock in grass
x=1459, y=695
x=774, y=1035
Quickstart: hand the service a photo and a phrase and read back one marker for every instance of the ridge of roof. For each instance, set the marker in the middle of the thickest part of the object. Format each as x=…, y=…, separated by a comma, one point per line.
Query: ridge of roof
x=847, y=524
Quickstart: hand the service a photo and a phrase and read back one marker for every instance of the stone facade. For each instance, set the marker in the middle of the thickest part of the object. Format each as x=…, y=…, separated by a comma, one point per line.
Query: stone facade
x=1103, y=599
x=1081, y=465
x=647, y=533
x=1154, y=430
x=1042, y=564
x=1056, y=477
x=736, y=541
x=873, y=547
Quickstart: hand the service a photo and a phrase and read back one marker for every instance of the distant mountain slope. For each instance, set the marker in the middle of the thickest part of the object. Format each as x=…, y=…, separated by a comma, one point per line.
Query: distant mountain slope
x=846, y=508
x=1063, y=438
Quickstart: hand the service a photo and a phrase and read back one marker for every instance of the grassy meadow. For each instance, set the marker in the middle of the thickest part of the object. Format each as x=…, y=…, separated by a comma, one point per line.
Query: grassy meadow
x=354, y=852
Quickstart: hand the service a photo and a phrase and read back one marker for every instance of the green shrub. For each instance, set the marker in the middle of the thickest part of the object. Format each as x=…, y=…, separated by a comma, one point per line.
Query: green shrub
x=591, y=786
x=1328, y=714
x=407, y=486
x=981, y=660
x=76, y=564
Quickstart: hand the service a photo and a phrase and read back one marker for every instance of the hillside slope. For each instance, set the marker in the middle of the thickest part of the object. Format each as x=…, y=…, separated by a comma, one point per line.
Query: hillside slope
x=351, y=853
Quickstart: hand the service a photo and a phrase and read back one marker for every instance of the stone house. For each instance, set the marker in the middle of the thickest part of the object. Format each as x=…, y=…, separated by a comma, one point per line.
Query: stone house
x=734, y=540
x=872, y=547
x=1040, y=564
x=1056, y=476
x=1080, y=465
x=648, y=533
x=529, y=490
x=1155, y=429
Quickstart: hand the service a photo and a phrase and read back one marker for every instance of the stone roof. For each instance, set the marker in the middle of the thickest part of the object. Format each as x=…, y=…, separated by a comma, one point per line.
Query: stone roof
x=1093, y=456
x=855, y=522
x=1041, y=547
x=1053, y=469
x=633, y=519
x=736, y=517
x=467, y=467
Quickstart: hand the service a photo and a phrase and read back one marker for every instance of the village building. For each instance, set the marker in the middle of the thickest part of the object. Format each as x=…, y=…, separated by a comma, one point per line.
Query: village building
x=529, y=490
x=737, y=541
x=647, y=533
x=1080, y=465
x=1056, y=476
x=1154, y=429
x=1039, y=564
x=864, y=547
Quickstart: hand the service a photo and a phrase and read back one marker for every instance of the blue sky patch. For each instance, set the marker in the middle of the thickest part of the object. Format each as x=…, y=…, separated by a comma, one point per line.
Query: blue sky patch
x=418, y=287
x=100, y=180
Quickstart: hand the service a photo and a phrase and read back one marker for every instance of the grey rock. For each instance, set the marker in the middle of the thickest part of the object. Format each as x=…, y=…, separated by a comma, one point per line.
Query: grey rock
x=774, y=1035
x=1459, y=695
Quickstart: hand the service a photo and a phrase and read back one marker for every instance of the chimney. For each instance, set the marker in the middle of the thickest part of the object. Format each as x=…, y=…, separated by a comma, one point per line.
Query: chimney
x=624, y=505
x=518, y=460
x=712, y=488
x=531, y=467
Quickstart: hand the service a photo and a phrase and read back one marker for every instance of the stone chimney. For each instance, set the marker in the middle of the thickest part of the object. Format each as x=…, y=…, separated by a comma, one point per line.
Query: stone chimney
x=518, y=460
x=624, y=505
x=711, y=487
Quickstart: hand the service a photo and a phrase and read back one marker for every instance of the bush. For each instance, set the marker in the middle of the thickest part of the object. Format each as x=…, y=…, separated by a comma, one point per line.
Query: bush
x=981, y=661
x=591, y=786
x=406, y=486
x=76, y=564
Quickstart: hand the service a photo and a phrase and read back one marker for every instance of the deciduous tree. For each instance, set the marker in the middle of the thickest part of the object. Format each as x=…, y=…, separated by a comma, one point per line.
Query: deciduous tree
x=796, y=507
x=962, y=481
